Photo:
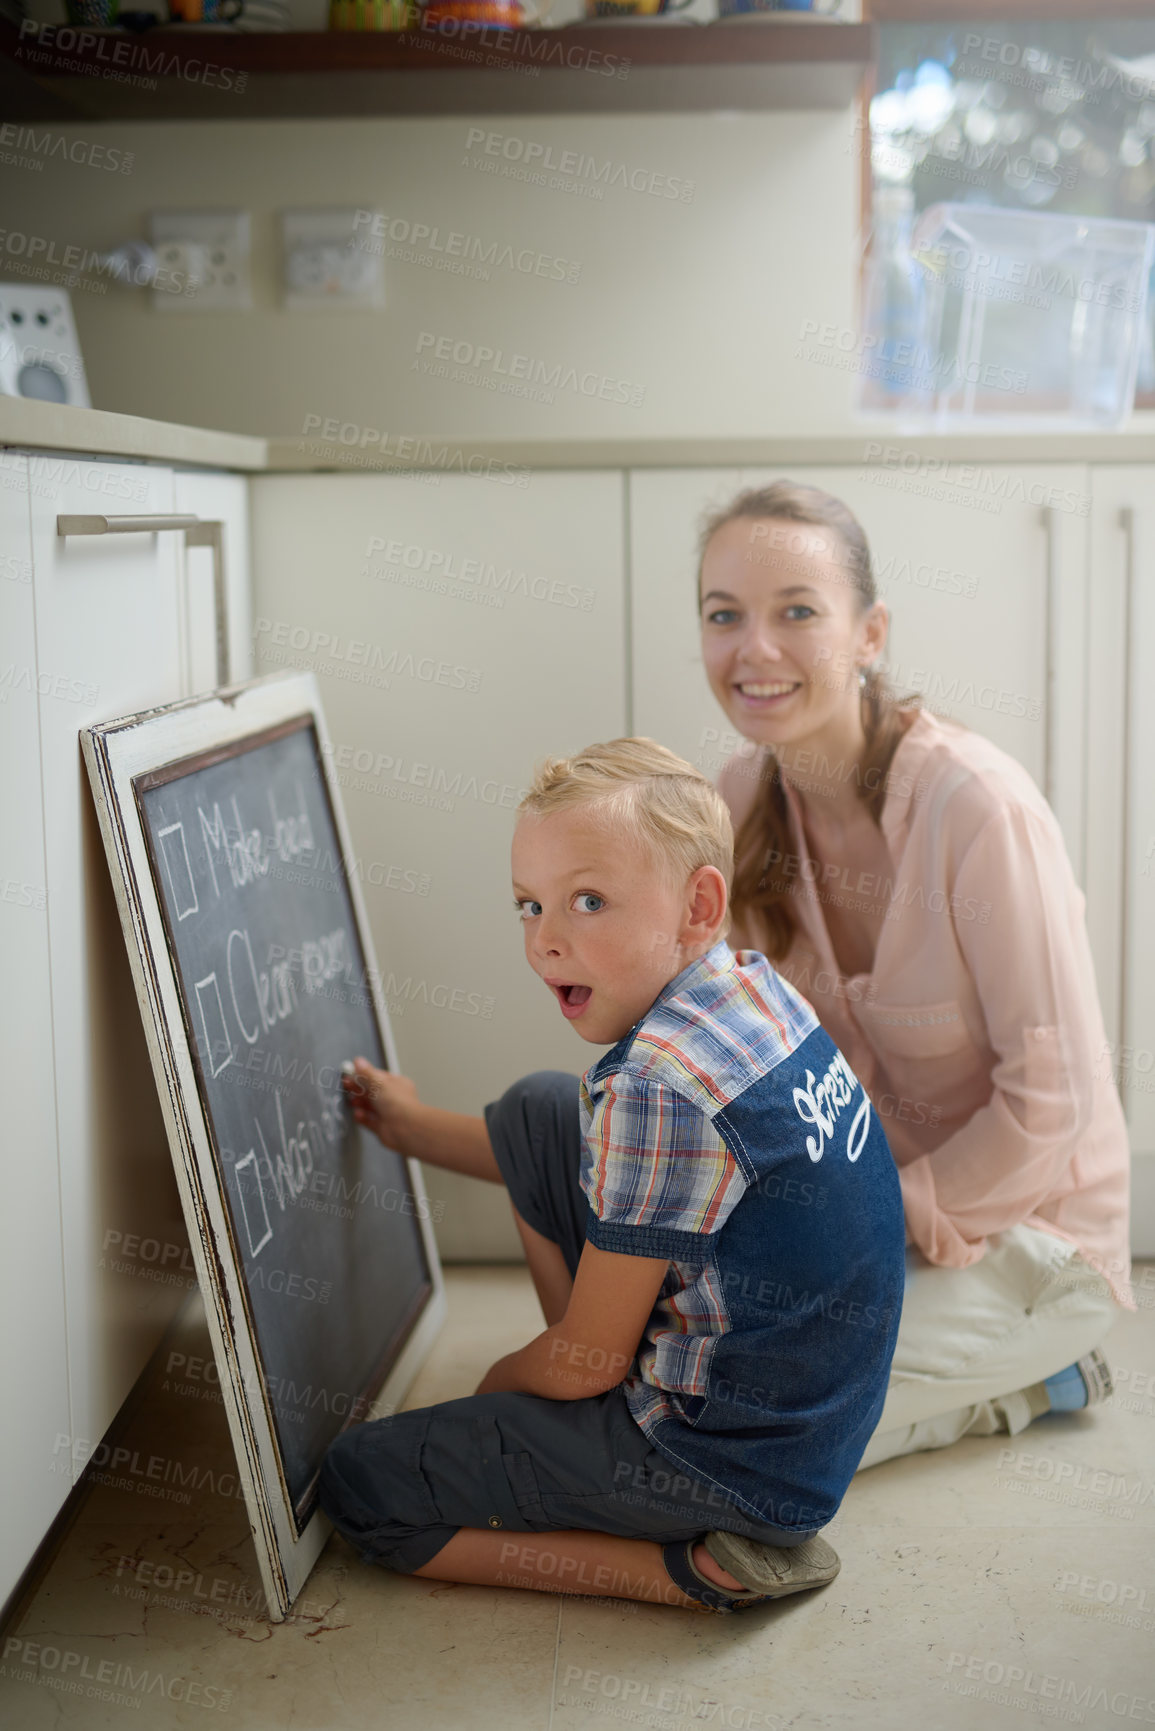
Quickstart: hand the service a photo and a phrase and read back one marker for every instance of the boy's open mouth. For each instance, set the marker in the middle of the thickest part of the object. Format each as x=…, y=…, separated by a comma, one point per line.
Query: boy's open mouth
x=571, y=997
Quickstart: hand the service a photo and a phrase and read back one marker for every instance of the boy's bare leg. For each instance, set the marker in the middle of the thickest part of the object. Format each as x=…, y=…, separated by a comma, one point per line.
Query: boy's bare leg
x=389, y=1106
x=552, y=1280
x=568, y=1562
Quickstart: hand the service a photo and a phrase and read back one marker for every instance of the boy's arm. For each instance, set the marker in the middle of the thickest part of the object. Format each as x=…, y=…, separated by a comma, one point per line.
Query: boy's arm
x=592, y=1347
x=661, y=1178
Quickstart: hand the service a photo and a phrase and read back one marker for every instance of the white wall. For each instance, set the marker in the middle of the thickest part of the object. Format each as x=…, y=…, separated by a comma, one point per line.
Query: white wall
x=700, y=303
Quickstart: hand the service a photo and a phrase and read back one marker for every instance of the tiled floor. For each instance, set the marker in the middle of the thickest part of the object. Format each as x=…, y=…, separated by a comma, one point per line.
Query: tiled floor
x=994, y=1581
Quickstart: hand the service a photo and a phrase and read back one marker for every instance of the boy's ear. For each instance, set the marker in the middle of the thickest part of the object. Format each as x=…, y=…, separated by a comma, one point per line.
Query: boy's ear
x=707, y=901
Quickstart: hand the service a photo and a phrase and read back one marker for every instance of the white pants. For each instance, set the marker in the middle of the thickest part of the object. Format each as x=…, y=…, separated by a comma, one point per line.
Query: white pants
x=972, y=1339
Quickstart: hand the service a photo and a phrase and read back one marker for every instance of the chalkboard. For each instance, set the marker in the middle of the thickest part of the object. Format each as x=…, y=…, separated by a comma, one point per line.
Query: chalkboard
x=318, y=1259
x=275, y=996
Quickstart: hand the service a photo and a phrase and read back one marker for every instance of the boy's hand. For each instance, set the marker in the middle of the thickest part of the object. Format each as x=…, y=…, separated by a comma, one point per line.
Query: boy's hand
x=383, y=1103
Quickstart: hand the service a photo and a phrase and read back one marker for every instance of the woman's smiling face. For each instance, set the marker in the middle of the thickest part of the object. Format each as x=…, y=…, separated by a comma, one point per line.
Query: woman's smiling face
x=784, y=632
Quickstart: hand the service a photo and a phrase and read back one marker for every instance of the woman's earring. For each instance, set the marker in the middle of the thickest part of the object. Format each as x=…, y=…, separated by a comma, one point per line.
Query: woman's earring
x=862, y=679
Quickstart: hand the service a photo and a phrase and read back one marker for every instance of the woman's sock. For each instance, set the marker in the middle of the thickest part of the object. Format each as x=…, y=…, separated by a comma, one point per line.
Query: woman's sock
x=1084, y=1383
x=1066, y=1389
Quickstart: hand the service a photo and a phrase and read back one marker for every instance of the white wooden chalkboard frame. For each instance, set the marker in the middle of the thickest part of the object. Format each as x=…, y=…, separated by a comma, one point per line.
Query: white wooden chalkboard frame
x=116, y=752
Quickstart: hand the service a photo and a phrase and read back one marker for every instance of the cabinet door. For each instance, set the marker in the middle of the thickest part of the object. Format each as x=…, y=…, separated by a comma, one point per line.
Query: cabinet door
x=108, y=642
x=986, y=591
x=214, y=498
x=34, y=1413
x=1121, y=798
x=460, y=630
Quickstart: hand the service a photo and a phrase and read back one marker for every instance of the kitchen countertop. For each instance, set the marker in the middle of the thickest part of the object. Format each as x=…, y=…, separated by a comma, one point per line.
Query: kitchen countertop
x=62, y=427
x=854, y=445
x=57, y=427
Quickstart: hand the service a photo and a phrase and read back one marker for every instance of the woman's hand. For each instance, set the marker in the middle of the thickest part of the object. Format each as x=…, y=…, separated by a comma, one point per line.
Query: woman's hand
x=384, y=1103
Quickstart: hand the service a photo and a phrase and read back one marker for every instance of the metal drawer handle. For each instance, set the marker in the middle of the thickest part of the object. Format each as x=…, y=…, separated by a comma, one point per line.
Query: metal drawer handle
x=143, y=524
x=197, y=533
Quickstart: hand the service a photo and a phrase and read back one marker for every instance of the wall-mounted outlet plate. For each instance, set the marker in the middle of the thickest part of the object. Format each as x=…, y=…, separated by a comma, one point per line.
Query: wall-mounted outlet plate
x=203, y=259
x=331, y=260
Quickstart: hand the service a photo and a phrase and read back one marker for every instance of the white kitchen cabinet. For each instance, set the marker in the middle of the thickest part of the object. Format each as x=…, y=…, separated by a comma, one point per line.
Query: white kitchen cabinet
x=34, y=1412
x=460, y=630
x=987, y=606
x=93, y=1245
x=109, y=635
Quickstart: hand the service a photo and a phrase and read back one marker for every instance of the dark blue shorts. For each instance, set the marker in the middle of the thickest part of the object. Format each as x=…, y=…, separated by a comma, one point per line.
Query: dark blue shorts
x=399, y=1488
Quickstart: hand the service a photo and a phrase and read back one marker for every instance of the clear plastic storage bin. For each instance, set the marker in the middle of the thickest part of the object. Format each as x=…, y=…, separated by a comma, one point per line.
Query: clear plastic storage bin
x=1025, y=314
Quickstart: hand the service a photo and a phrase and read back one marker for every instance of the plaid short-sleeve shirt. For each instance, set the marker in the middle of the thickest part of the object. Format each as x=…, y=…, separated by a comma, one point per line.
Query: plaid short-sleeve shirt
x=728, y=1134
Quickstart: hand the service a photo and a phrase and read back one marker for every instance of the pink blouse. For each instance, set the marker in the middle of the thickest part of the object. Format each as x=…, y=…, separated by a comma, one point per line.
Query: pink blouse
x=978, y=1035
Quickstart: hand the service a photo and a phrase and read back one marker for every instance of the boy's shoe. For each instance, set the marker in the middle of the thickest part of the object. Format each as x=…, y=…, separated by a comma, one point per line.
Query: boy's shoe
x=678, y=1558
x=774, y=1570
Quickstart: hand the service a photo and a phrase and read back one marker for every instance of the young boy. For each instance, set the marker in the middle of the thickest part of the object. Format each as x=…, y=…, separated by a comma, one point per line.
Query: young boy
x=713, y=1224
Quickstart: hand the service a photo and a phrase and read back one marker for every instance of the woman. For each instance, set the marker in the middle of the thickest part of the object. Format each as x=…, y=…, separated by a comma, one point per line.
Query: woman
x=911, y=881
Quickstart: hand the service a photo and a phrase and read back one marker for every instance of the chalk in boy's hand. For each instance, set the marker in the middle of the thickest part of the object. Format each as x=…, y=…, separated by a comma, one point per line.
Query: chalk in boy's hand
x=381, y=1102
x=354, y=1087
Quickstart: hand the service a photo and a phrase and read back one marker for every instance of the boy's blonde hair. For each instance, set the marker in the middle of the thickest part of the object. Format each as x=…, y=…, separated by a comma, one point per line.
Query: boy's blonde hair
x=636, y=788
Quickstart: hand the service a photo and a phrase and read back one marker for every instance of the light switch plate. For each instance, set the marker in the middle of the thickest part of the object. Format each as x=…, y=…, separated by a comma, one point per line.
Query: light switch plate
x=203, y=257
x=331, y=260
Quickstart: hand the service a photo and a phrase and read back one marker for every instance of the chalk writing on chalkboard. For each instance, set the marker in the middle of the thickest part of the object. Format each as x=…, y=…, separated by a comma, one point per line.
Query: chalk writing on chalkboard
x=275, y=994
